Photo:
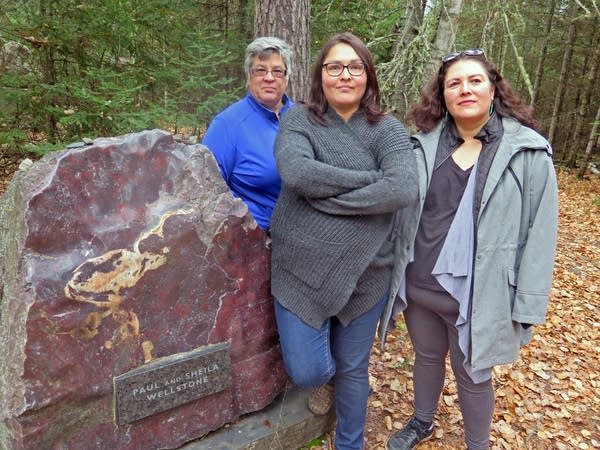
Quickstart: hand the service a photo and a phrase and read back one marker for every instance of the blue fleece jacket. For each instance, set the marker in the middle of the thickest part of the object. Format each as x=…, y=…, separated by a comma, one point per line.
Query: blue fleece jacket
x=241, y=138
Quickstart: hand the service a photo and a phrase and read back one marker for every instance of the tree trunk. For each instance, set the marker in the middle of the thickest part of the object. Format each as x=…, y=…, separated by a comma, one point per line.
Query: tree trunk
x=413, y=20
x=243, y=19
x=49, y=74
x=518, y=57
x=446, y=31
x=539, y=72
x=582, y=111
x=414, y=58
x=594, y=138
x=290, y=21
x=562, y=82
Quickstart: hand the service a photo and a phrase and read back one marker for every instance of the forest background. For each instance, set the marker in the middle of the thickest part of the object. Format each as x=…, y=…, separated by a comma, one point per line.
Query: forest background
x=75, y=70
x=71, y=70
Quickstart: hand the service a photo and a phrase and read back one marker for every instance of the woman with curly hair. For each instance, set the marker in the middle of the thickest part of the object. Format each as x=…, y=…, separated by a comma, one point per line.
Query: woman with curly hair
x=478, y=249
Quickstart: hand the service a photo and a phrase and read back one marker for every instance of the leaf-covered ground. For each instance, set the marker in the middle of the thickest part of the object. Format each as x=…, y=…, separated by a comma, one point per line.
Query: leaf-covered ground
x=550, y=398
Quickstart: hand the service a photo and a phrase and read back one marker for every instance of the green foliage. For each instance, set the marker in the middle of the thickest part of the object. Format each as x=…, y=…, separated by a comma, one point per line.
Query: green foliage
x=108, y=67
x=401, y=364
x=11, y=137
x=401, y=326
x=317, y=442
x=14, y=99
x=373, y=22
x=41, y=148
x=596, y=201
x=377, y=23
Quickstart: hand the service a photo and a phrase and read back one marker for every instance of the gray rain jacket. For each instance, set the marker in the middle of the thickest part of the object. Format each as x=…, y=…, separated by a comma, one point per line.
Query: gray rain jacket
x=515, y=243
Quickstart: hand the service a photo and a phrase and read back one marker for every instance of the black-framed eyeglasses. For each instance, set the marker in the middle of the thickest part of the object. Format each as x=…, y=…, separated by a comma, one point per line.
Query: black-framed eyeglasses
x=261, y=72
x=469, y=52
x=334, y=69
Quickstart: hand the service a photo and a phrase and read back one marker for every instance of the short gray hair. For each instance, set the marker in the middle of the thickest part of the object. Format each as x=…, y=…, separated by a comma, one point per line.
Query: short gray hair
x=266, y=45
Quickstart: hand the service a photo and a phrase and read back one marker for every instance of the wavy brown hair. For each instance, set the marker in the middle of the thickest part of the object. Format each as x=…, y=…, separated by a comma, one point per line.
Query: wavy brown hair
x=370, y=104
x=430, y=108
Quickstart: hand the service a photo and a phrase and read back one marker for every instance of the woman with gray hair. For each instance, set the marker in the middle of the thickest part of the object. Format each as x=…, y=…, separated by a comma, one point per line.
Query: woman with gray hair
x=242, y=136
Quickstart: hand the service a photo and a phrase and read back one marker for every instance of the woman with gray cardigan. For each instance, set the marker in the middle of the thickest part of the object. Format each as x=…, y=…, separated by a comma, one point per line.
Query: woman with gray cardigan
x=346, y=168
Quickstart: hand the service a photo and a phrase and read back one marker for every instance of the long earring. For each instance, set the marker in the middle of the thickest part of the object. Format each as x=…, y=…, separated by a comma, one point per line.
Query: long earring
x=445, y=114
x=491, y=109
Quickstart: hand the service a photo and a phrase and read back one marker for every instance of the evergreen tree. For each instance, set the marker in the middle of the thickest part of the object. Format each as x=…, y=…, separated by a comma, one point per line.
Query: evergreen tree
x=107, y=67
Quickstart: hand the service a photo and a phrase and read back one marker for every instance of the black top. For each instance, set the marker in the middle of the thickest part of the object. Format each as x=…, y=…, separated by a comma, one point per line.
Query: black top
x=445, y=191
x=447, y=186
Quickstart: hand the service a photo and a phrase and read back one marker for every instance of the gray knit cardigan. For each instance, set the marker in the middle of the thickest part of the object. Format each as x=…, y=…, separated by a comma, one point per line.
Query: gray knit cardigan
x=341, y=184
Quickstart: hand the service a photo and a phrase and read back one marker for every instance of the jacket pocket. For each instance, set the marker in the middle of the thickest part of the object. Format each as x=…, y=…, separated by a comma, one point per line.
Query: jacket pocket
x=309, y=259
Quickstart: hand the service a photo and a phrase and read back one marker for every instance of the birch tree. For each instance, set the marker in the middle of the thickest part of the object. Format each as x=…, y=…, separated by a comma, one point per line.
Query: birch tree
x=417, y=55
x=445, y=34
x=517, y=52
x=406, y=34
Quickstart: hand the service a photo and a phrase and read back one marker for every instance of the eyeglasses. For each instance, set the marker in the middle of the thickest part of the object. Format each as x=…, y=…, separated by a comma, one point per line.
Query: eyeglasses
x=356, y=69
x=469, y=52
x=261, y=72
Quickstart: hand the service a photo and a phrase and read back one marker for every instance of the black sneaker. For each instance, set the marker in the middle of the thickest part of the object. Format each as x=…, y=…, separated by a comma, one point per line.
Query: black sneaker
x=408, y=437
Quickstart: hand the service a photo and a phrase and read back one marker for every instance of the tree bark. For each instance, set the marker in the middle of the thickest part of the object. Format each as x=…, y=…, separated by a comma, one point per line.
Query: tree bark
x=582, y=111
x=539, y=72
x=518, y=57
x=290, y=21
x=413, y=19
x=445, y=34
x=415, y=58
x=49, y=73
x=562, y=82
x=406, y=33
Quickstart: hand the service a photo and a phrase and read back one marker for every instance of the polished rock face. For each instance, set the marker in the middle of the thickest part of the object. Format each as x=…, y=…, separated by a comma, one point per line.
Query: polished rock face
x=115, y=255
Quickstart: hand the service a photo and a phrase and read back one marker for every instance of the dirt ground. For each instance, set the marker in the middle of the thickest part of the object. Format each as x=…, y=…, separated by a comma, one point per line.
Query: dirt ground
x=550, y=398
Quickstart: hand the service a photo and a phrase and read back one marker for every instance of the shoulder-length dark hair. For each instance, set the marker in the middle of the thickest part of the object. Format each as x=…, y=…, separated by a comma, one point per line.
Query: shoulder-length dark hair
x=431, y=108
x=370, y=104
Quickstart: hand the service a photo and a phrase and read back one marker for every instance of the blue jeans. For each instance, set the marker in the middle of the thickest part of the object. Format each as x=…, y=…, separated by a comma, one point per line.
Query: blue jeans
x=315, y=357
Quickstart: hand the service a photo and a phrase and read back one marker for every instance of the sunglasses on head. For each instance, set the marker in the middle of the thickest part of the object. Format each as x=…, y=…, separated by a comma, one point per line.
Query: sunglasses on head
x=469, y=52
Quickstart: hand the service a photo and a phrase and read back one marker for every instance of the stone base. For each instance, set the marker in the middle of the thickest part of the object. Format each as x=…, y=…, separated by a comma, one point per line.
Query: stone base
x=286, y=424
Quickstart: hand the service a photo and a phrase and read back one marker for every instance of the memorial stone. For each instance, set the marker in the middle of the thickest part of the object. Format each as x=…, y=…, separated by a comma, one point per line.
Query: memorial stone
x=135, y=310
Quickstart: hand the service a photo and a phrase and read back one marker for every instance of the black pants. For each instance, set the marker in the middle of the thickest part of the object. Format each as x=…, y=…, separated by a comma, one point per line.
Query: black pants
x=430, y=319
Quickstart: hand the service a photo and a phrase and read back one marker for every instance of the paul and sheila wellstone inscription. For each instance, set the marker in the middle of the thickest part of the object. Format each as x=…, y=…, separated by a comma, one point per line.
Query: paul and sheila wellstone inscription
x=171, y=382
x=135, y=309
